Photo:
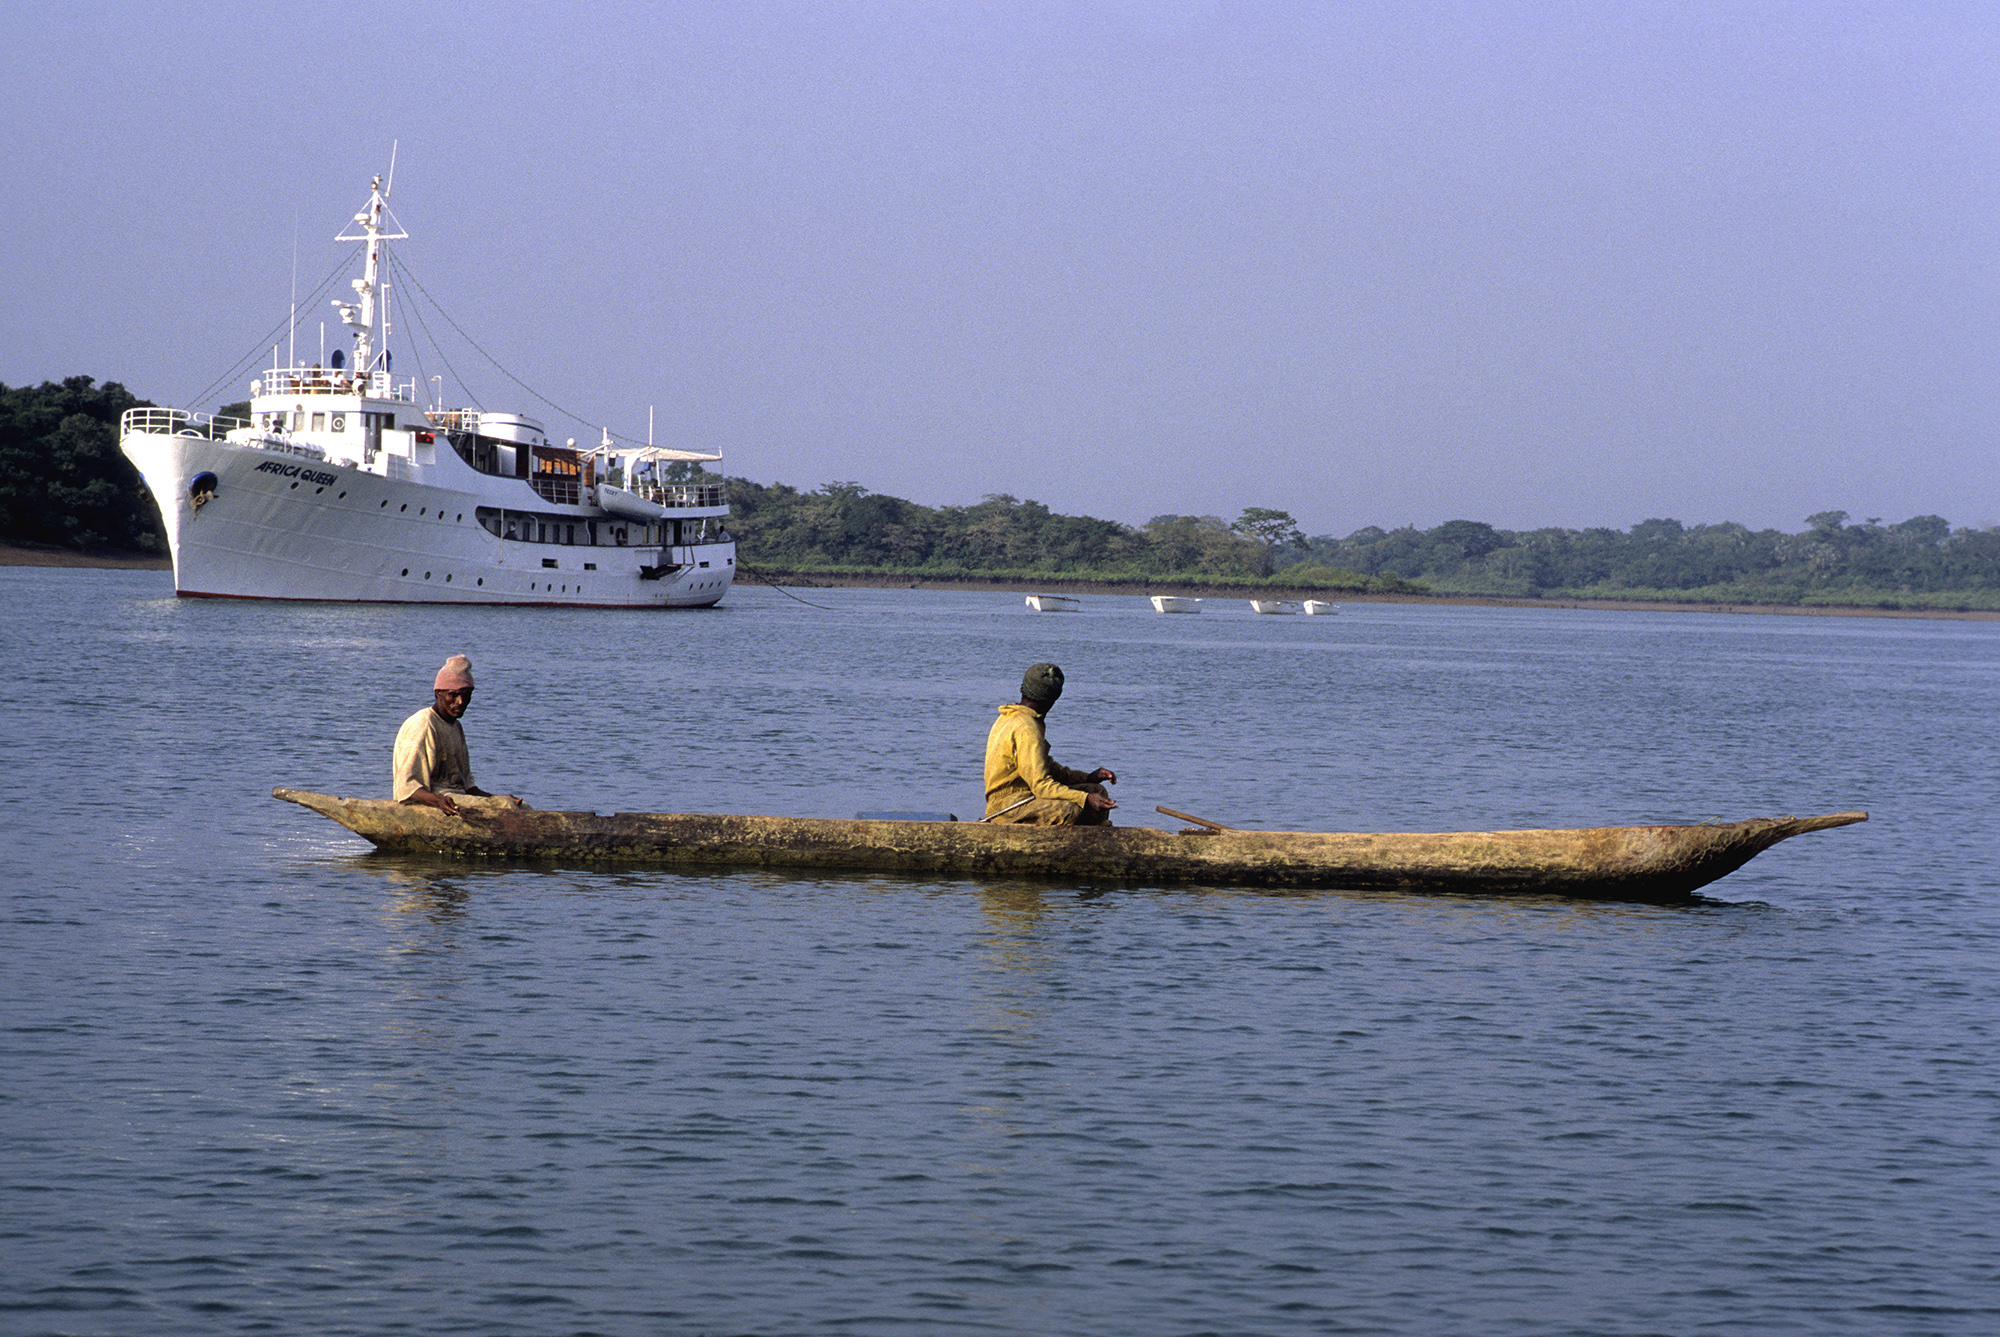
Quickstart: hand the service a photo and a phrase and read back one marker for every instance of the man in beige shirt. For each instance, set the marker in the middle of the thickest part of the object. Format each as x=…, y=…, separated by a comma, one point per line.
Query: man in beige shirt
x=431, y=763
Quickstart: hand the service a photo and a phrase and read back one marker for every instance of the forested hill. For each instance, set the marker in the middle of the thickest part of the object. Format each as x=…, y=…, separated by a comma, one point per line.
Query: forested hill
x=64, y=484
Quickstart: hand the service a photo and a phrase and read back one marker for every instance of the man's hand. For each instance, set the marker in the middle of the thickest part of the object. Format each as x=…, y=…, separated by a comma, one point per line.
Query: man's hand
x=1104, y=775
x=424, y=798
x=1099, y=802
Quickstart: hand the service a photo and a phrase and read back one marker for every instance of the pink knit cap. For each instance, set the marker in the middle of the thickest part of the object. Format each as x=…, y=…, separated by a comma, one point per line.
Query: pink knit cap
x=455, y=675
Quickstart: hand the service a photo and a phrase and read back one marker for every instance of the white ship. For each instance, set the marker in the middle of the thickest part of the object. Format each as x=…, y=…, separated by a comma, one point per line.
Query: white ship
x=341, y=485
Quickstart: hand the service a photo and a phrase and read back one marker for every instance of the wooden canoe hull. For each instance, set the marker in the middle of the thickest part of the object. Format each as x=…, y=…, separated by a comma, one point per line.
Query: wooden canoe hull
x=1633, y=863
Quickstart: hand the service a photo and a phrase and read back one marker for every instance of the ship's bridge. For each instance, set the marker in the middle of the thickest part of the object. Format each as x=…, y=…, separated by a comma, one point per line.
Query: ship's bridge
x=318, y=380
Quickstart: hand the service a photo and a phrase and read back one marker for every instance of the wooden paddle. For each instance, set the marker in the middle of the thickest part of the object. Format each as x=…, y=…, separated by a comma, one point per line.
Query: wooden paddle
x=1198, y=821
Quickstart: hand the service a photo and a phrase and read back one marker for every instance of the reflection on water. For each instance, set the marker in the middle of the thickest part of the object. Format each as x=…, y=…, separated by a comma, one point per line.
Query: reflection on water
x=1014, y=956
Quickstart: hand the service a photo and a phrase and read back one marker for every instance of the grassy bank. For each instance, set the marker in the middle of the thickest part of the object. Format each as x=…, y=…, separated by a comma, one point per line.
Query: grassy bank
x=1957, y=605
x=35, y=554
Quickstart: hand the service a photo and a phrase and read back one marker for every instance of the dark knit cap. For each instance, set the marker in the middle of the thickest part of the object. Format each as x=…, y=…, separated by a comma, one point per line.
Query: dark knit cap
x=1043, y=682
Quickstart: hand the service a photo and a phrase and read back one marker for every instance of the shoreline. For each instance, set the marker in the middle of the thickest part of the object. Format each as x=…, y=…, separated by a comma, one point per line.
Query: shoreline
x=12, y=554
x=1140, y=589
x=19, y=554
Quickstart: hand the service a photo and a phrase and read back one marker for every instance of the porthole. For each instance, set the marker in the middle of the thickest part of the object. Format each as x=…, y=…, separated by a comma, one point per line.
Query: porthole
x=420, y=512
x=385, y=501
x=447, y=577
x=459, y=520
x=482, y=580
x=318, y=490
x=341, y=497
x=427, y=575
x=404, y=507
x=295, y=487
x=406, y=570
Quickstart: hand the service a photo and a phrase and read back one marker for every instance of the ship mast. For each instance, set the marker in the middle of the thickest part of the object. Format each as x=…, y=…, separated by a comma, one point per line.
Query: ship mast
x=361, y=316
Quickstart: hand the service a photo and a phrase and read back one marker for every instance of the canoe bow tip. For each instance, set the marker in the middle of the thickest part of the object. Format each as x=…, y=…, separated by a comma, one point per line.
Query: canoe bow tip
x=308, y=799
x=1829, y=821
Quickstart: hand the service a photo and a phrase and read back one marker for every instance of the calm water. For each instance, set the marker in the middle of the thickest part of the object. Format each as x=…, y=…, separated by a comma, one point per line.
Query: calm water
x=259, y=1082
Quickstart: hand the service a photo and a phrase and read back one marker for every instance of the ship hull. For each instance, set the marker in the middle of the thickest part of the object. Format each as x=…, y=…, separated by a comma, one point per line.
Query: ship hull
x=285, y=525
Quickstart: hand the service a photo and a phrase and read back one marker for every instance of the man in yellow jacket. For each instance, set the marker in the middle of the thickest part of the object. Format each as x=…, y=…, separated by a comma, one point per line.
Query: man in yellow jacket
x=1022, y=783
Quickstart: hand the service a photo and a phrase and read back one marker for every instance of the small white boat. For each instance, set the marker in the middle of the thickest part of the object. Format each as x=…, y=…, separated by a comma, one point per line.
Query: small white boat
x=1320, y=608
x=1274, y=605
x=1054, y=603
x=1175, y=603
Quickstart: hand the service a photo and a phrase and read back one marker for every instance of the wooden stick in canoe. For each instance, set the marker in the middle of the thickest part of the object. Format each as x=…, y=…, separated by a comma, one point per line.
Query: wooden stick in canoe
x=1198, y=821
x=1009, y=808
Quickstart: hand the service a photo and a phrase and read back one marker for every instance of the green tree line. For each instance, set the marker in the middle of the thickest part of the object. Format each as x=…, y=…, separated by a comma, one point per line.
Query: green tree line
x=64, y=484
x=844, y=526
x=62, y=481
x=1919, y=562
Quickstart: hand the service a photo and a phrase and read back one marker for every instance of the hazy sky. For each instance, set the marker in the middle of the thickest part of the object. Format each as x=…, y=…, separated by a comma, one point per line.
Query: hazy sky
x=1373, y=263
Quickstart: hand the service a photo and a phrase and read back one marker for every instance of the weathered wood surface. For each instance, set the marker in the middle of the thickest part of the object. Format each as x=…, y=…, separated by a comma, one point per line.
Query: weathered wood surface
x=1646, y=863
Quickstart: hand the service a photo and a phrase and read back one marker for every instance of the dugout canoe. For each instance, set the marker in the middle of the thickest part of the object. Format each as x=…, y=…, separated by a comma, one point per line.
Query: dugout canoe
x=1630, y=863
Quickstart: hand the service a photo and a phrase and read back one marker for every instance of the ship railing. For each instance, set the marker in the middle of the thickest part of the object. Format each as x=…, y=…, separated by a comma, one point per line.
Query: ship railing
x=178, y=422
x=561, y=491
x=681, y=495
x=326, y=381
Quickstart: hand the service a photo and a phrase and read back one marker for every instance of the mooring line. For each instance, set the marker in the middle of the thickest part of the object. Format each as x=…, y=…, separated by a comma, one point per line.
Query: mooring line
x=757, y=575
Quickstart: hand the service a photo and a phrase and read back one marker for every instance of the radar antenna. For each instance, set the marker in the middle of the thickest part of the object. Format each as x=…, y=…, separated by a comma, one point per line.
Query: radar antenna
x=360, y=316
